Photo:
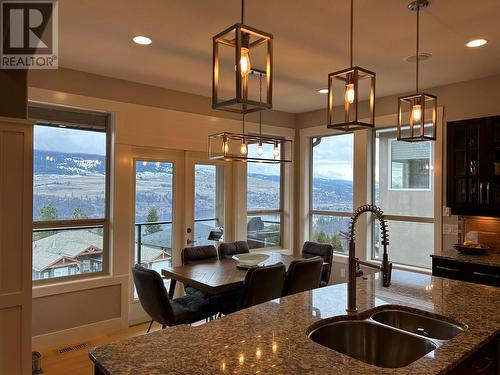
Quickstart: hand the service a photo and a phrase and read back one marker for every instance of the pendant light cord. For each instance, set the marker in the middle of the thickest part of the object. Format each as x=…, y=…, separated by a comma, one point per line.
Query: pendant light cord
x=260, y=112
x=418, y=45
x=243, y=12
x=243, y=122
x=352, y=31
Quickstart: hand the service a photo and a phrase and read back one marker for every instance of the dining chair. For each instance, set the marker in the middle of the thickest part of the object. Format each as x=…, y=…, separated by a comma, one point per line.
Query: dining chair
x=302, y=275
x=154, y=299
x=228, y=249
x=192, y=255
x=261, y=284
x=325, y=251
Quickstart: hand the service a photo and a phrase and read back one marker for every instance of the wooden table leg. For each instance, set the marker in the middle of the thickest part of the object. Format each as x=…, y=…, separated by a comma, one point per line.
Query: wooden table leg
x=171, y=289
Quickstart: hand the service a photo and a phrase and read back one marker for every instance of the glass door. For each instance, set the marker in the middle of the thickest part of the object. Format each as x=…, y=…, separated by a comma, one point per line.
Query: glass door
x=153, y=213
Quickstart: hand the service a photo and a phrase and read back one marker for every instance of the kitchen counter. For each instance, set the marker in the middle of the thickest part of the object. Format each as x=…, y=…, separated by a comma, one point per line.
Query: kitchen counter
x=272, y=337
x=488, y=258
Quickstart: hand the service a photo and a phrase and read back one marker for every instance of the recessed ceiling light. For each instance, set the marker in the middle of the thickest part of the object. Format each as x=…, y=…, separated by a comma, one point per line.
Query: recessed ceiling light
x=323, y=91
x=141, y=39
x=476, y=43
x=422, y=56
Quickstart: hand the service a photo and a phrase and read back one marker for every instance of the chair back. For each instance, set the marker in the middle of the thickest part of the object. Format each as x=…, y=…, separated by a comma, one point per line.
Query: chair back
x=302, y=275
x=228, y=249
x=198, y=253
x=262, y=284
x=325, y=251
x=152, y=295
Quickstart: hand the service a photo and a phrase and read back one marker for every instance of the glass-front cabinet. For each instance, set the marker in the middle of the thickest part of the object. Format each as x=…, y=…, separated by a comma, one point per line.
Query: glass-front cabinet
x=473, y=166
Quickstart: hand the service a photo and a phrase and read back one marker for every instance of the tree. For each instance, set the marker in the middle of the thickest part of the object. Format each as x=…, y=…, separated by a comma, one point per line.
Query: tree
x=333, y=240
x=78, y=214
x=152, y=217
x=47, y=213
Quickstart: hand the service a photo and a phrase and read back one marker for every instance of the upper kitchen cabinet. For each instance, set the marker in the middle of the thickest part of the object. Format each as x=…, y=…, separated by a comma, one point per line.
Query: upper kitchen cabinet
x=473, y=167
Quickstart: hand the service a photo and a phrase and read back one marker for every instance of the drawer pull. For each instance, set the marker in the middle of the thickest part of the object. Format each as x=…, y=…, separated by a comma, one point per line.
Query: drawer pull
x=447, y=269
x=490, y=275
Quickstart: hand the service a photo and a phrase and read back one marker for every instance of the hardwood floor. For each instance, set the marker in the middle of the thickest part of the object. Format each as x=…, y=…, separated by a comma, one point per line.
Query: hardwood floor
x=76, y=361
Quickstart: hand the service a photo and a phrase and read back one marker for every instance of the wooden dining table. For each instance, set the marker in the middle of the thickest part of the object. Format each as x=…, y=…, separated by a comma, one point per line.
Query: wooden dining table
x=217, y=276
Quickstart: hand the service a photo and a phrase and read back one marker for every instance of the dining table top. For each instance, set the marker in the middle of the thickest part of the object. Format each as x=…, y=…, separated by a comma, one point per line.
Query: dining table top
x=219, y=276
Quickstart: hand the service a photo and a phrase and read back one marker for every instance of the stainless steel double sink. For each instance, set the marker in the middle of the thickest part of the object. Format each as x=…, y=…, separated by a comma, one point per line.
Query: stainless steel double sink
x=390, y=336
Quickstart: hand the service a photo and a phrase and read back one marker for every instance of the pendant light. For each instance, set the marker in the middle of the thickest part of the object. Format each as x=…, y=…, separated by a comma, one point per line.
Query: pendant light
x=420, y=107
x=248, y=147
x=352, y=82
x=243, y=46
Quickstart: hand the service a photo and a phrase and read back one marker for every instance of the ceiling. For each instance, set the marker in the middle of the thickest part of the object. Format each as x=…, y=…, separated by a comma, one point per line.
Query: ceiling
x=311, y=40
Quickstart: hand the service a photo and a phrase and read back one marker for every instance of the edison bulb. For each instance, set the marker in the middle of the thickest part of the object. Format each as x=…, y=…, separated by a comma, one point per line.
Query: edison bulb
x=243, y=148
x=350, y=94
x=276, y=151
x=225, y=146
x=260, y=149
x=417, y=112
x=245, y=62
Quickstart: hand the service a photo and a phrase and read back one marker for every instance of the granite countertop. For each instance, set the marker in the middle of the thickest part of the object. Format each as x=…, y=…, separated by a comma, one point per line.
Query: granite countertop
x=272, y=337
x=489, y=257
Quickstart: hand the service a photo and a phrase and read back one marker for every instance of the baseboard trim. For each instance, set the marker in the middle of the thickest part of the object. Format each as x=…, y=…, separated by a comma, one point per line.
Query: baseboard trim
x=77, y=334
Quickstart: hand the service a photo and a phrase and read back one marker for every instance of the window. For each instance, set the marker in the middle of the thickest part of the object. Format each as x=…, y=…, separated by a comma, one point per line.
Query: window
x=332, y=190
x=264, y=203
x=410, y=165
x=404, y=189
x=70, y=185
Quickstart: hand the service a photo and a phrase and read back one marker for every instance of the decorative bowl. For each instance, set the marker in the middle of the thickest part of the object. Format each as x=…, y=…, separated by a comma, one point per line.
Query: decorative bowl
x=249, y=259
x=470, y=249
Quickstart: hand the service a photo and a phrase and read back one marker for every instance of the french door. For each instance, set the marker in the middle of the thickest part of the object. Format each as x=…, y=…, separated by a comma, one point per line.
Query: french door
x=179, y=201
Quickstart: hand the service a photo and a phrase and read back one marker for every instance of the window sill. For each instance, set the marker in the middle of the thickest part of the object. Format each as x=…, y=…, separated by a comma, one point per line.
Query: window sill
x=68, y=286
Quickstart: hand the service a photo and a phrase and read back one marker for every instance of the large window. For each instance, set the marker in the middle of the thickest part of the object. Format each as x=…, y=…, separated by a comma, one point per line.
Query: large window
x=264, y=203
x=332, y=190
x=70, y=205
x=404, y=189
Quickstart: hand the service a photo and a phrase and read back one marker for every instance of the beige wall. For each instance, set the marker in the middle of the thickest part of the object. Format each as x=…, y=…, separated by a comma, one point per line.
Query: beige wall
x=461, y=100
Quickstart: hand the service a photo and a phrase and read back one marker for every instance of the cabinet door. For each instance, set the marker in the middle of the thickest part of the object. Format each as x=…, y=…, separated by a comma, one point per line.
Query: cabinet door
x=492, y=164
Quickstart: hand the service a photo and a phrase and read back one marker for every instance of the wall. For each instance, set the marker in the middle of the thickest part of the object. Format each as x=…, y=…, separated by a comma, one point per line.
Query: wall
x=138, y=131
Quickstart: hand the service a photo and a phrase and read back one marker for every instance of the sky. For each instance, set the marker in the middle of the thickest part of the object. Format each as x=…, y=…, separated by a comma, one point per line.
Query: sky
x=333, y=157
x=48, y=138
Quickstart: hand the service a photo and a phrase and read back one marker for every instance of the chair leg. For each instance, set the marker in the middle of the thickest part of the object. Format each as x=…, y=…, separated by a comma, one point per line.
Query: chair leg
x=163, y=326
x=150, y=324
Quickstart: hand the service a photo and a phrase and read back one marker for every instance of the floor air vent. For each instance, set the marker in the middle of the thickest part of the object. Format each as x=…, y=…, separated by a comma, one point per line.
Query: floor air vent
x=68, y=349
x=80, y=346
x=65, y=350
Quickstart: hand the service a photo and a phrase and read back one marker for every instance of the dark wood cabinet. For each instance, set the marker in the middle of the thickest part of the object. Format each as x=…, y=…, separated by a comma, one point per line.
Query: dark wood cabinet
x=464, y=271
x=473, y=167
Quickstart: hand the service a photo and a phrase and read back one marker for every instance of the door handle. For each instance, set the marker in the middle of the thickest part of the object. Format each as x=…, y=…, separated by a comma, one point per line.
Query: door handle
x=488, y=193
x=480, y=193
x=190, y=241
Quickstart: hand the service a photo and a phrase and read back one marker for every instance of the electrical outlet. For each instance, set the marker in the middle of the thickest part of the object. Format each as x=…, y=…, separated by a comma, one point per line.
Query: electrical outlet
x=450, y=229
x=446, y=211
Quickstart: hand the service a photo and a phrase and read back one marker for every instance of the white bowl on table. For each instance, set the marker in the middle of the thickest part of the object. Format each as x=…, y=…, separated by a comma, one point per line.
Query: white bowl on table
x=248, y=260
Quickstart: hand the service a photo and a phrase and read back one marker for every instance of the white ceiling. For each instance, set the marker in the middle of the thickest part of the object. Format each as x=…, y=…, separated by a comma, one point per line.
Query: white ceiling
x=311, y=40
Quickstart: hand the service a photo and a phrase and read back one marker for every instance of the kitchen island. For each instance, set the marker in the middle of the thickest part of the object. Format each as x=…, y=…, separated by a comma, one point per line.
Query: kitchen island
x=273, y=337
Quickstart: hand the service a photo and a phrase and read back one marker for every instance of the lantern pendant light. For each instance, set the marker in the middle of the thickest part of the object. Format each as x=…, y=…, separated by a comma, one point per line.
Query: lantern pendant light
x=420, y=123
x=241, y=147
x=353, y=82
x=244, y=46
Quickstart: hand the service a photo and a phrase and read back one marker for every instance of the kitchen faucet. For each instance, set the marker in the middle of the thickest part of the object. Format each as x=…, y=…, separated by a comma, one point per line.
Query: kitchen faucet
x=354, y=263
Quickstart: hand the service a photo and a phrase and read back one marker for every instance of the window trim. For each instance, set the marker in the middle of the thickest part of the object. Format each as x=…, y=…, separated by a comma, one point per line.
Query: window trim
x=279, y=211
x=83, y=223
x=312, y=211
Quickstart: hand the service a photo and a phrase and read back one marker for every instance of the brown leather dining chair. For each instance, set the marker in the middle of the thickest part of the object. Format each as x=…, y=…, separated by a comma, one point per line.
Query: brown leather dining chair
x=190, y=255
x=228, y=249
x=302, y=275
x=154, y=299
x=325, y=251
x=261, y=284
